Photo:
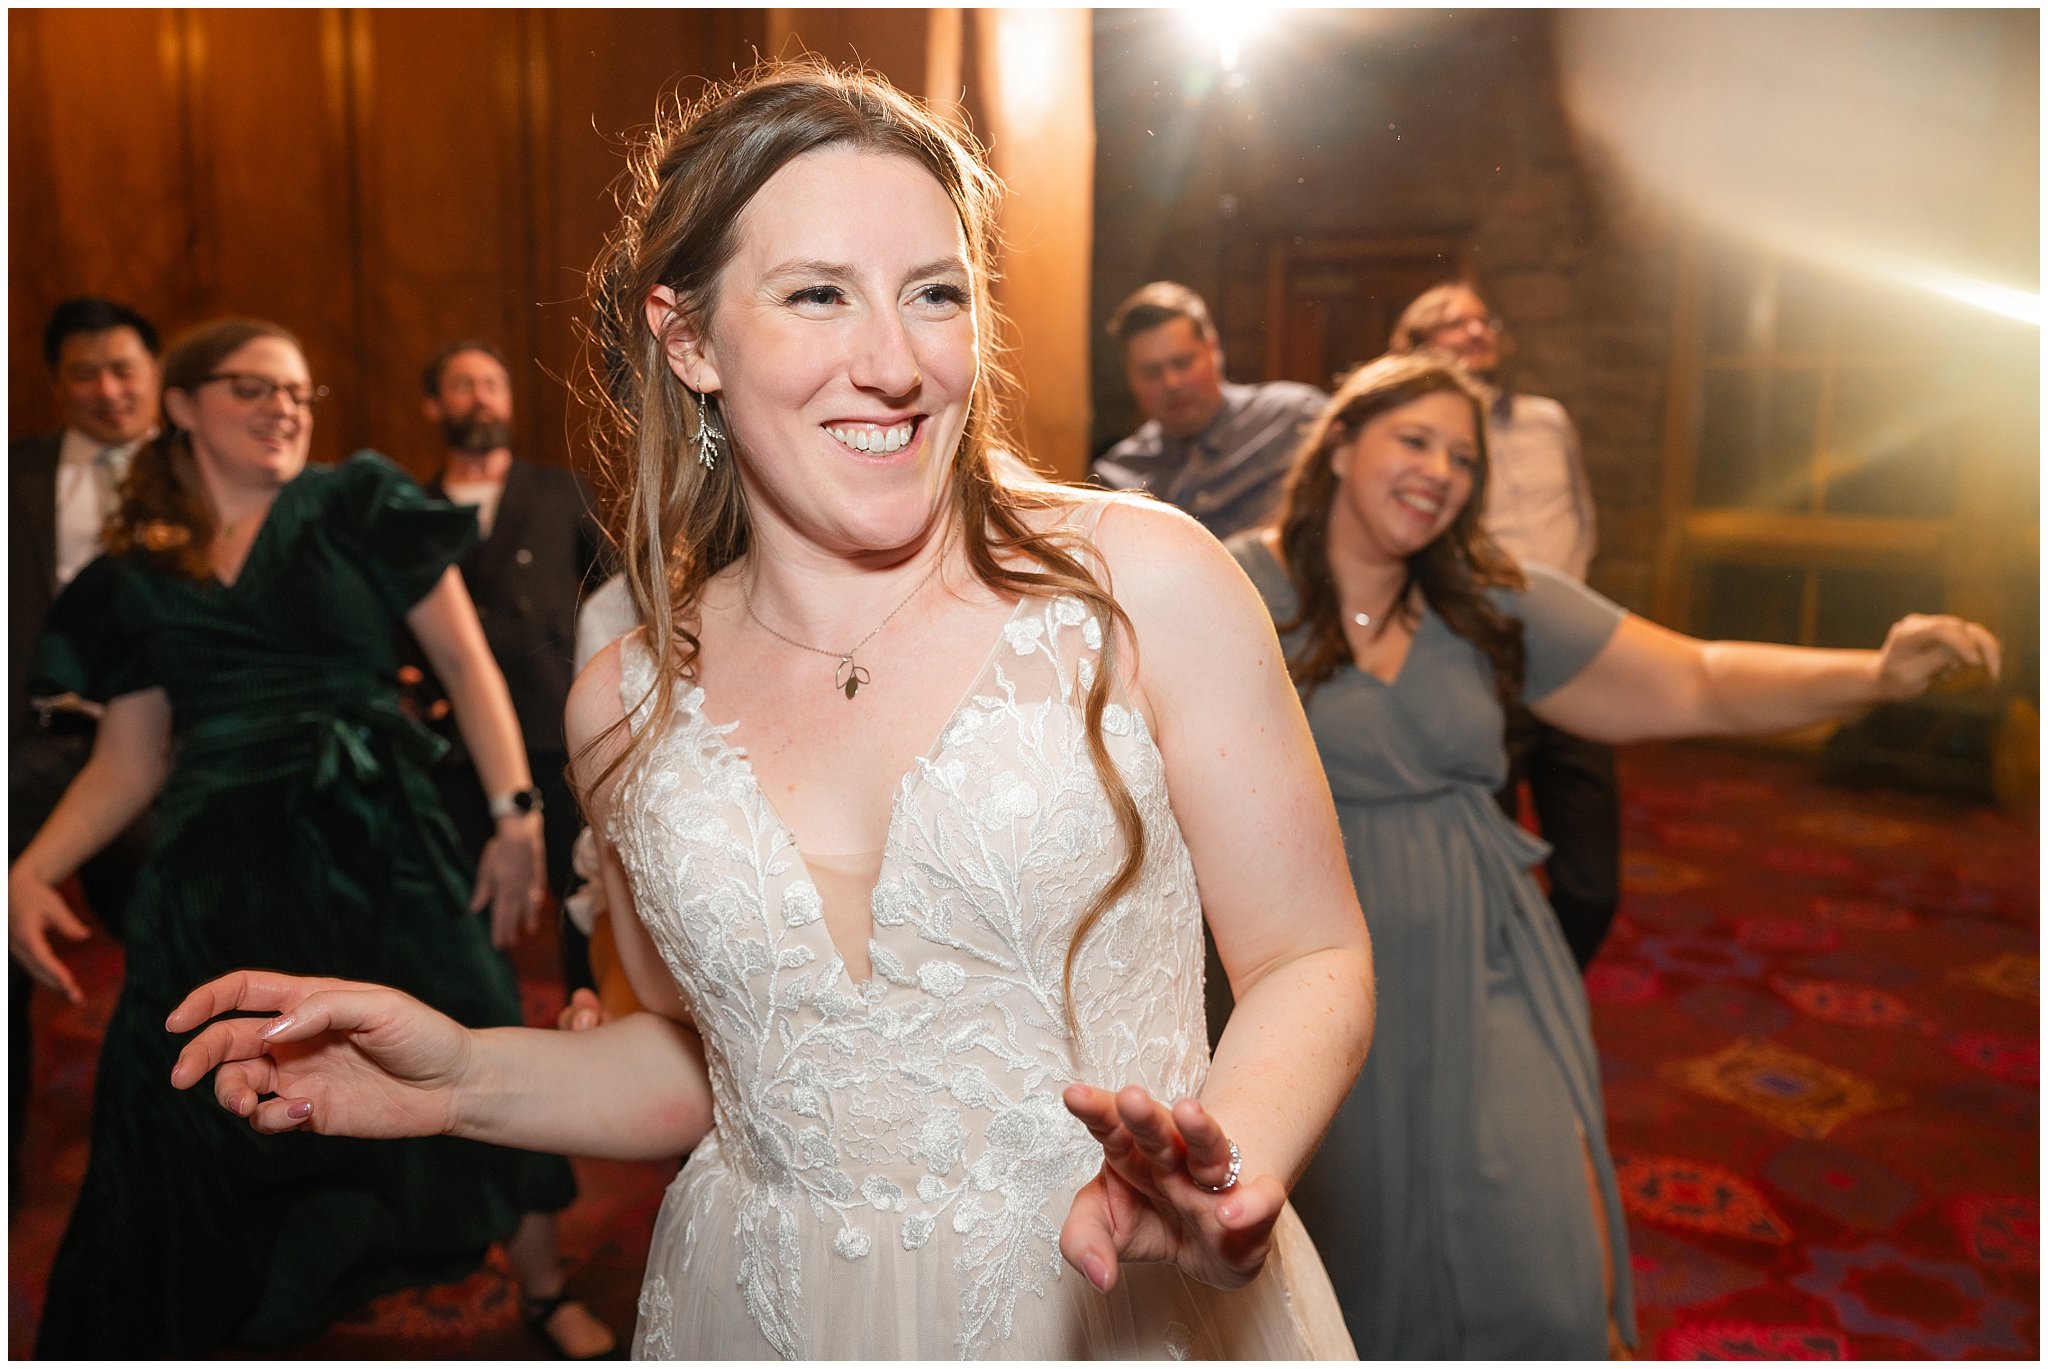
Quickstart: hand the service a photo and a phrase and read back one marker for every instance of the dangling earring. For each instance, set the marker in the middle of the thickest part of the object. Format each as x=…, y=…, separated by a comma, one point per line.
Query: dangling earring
x=708, y=434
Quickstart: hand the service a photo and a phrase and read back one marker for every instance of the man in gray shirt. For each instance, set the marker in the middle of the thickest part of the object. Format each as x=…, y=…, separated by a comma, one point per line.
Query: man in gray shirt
x=1216, y=450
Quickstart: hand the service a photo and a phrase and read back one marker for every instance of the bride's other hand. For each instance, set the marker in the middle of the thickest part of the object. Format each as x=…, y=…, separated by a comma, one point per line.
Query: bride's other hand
x=1156, y=1197
x=338, y=1058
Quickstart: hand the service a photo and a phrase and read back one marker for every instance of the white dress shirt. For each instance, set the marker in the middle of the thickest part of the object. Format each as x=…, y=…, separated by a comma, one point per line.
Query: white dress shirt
x=87, y=473
x=1538, y=504
x=481, y=495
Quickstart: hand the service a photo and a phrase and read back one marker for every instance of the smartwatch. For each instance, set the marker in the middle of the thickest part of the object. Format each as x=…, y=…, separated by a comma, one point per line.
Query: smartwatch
x=518, y=803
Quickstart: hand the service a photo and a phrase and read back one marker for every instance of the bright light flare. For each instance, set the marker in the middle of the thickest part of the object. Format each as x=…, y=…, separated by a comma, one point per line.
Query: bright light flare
x=1996, y=299
x=1838, y=252
x=1896, y=144
x=1224, y=28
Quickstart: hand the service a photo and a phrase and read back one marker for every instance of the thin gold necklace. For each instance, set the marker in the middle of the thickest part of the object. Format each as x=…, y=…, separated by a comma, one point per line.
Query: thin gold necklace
x=850, y=675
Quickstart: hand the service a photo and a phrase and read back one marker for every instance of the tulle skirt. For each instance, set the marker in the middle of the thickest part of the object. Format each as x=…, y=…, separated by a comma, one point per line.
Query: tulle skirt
x=731, y=1275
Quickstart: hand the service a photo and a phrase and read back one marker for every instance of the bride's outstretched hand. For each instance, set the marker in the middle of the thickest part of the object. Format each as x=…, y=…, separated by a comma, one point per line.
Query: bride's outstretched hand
x=1170, y=1189
x=339, y=1058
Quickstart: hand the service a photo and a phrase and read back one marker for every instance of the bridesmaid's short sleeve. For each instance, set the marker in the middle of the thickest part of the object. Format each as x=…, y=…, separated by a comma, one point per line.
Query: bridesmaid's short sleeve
x=404, y=537
x=94, y=640
x=1564, y=625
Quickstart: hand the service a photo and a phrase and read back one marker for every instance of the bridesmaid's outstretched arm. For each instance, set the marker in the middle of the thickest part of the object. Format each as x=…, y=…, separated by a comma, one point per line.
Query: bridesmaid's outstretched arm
x=1649, y=681
x=130, y=761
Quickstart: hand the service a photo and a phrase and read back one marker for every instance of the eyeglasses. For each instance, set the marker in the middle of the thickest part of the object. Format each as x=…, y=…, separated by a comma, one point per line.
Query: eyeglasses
x=1492, y=323
x=254, y=389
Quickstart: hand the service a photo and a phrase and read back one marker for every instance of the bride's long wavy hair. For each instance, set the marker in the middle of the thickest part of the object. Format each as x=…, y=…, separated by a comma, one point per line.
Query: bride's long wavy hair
x=677, y=523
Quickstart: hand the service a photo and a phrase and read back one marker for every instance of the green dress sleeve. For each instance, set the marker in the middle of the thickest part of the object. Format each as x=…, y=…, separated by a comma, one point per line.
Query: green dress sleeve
x=95, y=639
x=403, y=537
x=1564, y=625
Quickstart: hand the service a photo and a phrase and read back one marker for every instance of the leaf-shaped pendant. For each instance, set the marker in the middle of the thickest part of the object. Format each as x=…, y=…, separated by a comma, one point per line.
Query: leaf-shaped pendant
x=849, y=677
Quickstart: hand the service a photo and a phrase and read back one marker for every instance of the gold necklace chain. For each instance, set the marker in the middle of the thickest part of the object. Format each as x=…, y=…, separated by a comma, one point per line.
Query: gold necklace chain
x=850, y=674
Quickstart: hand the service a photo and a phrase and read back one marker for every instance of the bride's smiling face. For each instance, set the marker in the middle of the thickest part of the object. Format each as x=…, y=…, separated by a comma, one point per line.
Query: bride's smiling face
x=842, y=347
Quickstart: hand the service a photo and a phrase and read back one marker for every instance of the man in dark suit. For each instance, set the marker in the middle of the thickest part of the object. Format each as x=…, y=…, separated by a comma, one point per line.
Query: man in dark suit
x=103, y=360
x=539, y=557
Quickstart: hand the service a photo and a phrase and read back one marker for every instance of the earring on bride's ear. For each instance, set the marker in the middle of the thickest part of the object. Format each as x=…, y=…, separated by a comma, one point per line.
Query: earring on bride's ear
x=708, y=433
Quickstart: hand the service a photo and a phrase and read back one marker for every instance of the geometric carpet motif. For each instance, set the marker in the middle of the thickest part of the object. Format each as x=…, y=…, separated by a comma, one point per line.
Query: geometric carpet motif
x=1700, y=1196
x=1786, y=934
x=1806, y=1097
x=1707, y=957
x=1648, y=874
x=2015, y=976
x=1672, y=1273
x=1855, y=1005
x=1744, y=1340
x=1851, y=1188
x=1840, y=952
x=1609, y=981
x=1864, y=914
x=1734, y=1007
x=1941, y=1306
x=1855, y=829
x=450, y=1313
x=2015, y=1059
x=1814, y=862
x=2000, y=1232
x=1700, y=836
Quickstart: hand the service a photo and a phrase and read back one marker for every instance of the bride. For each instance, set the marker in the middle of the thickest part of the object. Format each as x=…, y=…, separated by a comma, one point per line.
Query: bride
x=920, y=777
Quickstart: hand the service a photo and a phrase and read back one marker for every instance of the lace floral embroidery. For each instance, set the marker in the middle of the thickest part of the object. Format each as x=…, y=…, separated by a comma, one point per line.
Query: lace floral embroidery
x=657, y=1319
x=917, y=1115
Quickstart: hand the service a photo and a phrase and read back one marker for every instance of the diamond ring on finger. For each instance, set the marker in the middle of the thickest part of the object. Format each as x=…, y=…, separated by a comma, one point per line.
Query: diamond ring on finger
x=1230, y=1178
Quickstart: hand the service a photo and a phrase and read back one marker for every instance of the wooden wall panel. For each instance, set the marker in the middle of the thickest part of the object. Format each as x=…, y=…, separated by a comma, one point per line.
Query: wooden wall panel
x=112, y=193
x=893, y=42
x=1033, y=76
x=271, y=198
x=608, y=70
x=381, y=181
x=34, y=245
x=442, y=175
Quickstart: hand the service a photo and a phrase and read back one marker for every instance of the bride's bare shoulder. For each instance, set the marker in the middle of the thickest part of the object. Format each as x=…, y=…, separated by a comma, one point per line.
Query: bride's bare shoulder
x=1159, y=562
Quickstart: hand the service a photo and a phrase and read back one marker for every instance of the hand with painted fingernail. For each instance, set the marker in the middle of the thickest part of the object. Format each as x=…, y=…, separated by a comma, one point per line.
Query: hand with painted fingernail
x=583, y=1011
x=1172, y=1188
x=337, y=1058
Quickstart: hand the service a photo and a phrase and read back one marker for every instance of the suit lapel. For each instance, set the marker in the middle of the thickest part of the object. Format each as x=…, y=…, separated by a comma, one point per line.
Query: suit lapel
x=33, y=514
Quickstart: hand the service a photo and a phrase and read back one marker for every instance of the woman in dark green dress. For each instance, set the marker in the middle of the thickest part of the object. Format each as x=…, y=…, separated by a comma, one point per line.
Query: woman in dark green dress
x=239, y=634
x=1463, y=1199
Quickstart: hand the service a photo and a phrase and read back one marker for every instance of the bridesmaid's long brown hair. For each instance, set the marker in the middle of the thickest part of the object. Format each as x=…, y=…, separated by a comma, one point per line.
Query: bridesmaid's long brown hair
x=1453, y=571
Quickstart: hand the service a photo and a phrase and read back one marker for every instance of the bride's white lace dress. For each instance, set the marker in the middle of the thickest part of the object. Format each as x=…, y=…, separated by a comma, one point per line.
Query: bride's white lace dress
x=891, y=1162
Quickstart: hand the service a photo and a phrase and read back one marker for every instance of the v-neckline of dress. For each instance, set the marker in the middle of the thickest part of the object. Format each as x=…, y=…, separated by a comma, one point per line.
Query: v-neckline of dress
x=256, y=543
x=902, y=788
x=1424, y=617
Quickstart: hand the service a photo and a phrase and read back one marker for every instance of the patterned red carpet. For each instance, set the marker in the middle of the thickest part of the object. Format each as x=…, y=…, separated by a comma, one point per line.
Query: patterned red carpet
x=1818, y=1018
x=1819, y=1025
